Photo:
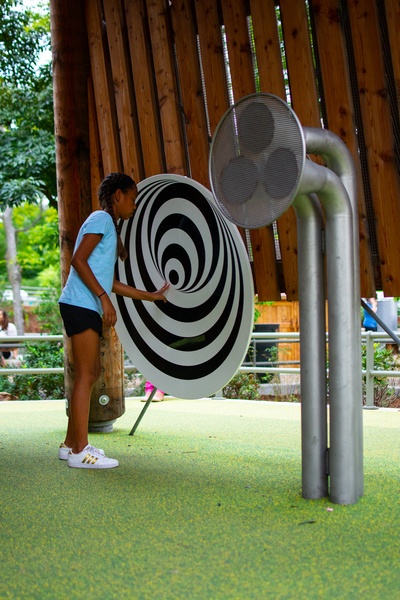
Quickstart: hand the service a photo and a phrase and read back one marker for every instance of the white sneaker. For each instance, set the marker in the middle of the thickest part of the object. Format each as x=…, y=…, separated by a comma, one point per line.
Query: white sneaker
x=64, y=450
x=91, y=458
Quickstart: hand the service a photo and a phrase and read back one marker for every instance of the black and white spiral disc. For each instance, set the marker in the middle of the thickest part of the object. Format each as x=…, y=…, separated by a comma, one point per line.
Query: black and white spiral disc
x=193, y=344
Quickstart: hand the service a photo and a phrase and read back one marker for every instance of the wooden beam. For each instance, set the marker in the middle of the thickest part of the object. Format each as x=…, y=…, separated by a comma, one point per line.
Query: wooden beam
x=340, y=113
x=213, y=62
x=193, y=106
x=239, y=50
x=379, y=139
x=270, y=70
x=299, y=60
x=167, y=91
x=267, y=47
x=145, y=92
x=105, y=103
x=392, y=10
x=121, y=72
x=243, y=83
x=70, y=74
x=96, y=163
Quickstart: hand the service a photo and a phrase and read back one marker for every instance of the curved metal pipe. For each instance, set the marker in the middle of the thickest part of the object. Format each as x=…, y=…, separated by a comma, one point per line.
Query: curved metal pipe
x=344, y=460
x=339, y=159
x=314, y=439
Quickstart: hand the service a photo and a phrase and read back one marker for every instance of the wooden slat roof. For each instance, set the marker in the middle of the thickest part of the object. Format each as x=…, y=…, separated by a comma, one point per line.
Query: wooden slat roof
x=156, y=76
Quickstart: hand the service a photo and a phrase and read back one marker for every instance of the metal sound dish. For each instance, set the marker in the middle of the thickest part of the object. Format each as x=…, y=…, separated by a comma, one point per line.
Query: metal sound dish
x=256, y=160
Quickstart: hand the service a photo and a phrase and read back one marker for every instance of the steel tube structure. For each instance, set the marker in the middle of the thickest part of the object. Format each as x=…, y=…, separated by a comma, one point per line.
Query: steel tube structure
x=344, y=461
x=312, y=347
x=338, y=158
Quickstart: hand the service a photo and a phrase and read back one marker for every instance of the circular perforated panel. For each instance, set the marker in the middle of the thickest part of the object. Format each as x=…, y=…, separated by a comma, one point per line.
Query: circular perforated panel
x=256, y=160
x=192, y=345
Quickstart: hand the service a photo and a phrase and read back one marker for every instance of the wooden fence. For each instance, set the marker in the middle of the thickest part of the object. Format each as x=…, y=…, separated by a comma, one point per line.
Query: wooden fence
x=140, y=86
x=287, y=316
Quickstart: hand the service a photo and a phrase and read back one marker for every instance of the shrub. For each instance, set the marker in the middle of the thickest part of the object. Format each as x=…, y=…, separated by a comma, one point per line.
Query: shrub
x=134, y=383
x=38, y=387
x=242, y=385
x=40, y=355
x=48, y=313
x=384, y=360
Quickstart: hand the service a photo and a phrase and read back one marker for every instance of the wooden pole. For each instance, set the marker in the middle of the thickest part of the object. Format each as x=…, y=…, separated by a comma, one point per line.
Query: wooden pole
x=70, y=72
x=71, y=68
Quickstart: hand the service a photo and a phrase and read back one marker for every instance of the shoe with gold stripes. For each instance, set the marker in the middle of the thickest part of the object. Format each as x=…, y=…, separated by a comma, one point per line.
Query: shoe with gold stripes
x=91, y=458
x=64, y=450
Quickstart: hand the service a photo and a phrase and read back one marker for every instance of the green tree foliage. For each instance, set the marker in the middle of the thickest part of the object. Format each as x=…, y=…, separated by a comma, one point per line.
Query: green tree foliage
x=23, y=36
x=38, y=246
x=26, y=107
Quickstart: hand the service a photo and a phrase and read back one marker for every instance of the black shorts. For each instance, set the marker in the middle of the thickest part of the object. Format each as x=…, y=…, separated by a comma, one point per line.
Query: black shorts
x=77, y=319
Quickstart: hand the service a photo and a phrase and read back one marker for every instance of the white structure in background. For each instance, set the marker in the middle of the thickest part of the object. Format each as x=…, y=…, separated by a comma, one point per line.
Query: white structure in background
x=387, y=311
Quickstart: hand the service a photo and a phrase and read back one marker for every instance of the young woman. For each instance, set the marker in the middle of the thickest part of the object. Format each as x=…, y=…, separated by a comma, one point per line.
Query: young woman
x=85, y=305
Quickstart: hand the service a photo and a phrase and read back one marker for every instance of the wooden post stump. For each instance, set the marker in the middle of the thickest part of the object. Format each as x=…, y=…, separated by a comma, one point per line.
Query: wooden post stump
x=107, y=402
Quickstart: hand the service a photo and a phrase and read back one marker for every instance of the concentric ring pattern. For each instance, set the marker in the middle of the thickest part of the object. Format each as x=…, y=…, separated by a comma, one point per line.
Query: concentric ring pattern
x=193, y=344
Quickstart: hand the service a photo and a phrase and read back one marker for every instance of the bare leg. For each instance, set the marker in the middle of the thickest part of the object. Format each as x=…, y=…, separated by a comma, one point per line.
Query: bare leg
x=86, y=354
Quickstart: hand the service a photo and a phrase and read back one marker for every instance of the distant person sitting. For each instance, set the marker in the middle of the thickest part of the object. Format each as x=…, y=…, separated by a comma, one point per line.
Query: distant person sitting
x=7, y=329
x=369, y=322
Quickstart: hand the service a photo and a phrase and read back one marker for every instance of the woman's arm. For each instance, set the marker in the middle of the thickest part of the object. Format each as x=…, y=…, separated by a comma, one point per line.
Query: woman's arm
x=130, y=292
x=80, y=263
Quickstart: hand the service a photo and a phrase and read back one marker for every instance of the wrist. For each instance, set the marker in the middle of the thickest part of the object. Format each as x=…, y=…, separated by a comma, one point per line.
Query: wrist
x=102, y=294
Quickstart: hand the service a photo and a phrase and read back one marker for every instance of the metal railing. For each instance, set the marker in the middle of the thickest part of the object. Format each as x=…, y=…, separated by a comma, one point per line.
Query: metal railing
x=20, y=341
x=368, y=338
x=30, y=295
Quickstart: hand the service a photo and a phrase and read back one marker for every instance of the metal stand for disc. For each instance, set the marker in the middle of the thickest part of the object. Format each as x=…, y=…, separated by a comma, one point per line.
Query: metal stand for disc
x=143, y=411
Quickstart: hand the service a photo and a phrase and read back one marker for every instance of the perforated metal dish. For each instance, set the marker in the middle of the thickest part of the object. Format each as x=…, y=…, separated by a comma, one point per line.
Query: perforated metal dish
x=256, y=160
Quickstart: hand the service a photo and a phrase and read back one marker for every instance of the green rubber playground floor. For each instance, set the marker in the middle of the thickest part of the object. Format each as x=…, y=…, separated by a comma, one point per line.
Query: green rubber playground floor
x=206, y=504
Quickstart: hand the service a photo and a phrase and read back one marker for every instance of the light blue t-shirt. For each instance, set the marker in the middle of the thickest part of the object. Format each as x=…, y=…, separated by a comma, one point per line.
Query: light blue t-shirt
x=101, y=261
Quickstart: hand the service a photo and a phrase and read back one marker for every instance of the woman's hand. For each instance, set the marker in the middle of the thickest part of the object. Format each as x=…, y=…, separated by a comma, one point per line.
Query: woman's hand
x=159, y=295
x=122, y=289
x=109, y=312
